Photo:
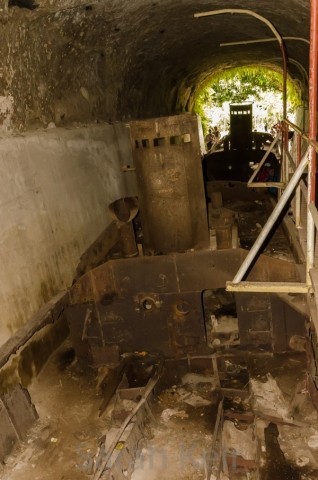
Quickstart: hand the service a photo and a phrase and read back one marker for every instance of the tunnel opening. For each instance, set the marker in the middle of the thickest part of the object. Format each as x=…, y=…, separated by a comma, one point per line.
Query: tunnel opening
x=256, y=84
x=241, y=110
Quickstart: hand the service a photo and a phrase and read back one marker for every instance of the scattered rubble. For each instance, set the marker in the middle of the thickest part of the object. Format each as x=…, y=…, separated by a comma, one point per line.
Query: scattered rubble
x=268, y=400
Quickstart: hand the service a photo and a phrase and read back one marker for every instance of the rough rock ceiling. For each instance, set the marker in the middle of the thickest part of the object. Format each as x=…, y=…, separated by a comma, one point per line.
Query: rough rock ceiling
x=67, y=60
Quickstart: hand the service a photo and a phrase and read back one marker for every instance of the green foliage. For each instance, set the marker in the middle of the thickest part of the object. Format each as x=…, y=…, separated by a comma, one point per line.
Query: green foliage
x=243, y=84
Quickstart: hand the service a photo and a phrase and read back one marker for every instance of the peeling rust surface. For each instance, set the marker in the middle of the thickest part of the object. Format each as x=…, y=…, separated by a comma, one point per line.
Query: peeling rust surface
x=155, y=303
x=167, y=157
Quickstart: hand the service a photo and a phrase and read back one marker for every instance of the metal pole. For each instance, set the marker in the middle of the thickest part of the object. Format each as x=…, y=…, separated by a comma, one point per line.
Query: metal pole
x=271, y=220
x=284, y=174
x=312, y=132
x=262, y=40
x=261, y=163
x=298, y=191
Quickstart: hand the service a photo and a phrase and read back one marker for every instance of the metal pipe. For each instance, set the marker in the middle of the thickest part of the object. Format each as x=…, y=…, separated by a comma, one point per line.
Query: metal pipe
x=298, y=190
x=301, y=68
x=297, y=64
x=313, y=143
x=314, y=214
x=261, y=163
x=243, y=12
x=285, y=152
x=313, y=76
x=284, y=173
x=263, y=40
x=271, y=220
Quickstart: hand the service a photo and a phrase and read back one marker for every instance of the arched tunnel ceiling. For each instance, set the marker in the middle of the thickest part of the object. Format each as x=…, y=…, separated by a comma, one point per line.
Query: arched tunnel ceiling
x=68, y=60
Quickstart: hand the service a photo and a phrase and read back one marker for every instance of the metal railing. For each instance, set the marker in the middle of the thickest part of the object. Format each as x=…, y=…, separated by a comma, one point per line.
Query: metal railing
x=298, y=165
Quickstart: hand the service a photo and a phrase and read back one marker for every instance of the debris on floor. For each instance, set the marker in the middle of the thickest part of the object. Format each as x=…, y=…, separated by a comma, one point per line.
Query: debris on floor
x=219, y=419
x=268, y=400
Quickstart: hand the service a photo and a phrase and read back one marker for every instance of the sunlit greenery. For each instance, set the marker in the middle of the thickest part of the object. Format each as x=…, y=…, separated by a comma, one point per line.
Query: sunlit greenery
x=259, y=85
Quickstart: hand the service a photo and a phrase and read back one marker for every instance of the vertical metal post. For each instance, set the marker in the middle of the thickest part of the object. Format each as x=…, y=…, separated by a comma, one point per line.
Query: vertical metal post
x=298, y=190
x=313, y=76
x=252, y=254
x=284, y=158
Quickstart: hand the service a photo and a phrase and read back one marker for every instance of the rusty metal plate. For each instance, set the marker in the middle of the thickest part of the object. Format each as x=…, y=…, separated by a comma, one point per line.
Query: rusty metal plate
x=154, y=303
x=21, y=410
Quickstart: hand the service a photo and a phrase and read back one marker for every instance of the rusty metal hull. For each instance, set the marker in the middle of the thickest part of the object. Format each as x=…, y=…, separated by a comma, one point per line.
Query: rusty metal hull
x=154, y=303
x=169, y=174
x=268, y=320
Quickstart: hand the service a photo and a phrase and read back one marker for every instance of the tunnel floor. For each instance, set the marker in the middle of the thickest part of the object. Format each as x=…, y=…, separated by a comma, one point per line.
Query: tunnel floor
x=267, y=424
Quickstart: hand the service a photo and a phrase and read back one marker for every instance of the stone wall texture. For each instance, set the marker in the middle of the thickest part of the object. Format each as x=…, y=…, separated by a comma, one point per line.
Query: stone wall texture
x=72, y=61
x=55, y=189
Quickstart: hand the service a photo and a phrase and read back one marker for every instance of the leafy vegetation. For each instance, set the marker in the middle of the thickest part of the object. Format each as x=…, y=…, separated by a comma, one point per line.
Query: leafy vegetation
x=260, y=85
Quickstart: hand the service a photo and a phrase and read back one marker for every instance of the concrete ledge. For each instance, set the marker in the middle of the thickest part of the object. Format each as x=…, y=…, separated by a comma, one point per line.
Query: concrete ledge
x=24, y=355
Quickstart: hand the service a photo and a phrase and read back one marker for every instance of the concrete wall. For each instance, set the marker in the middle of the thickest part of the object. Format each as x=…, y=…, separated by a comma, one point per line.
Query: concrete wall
x=55, y=188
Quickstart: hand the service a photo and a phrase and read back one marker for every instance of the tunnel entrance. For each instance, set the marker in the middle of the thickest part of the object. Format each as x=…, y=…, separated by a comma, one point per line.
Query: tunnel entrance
x=241, y=109
x=255, y=84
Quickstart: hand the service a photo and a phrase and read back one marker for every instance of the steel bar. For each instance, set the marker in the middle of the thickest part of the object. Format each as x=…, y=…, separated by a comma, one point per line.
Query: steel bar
x=218, y=423
x=301, y=68
x=313, y=77
x=304, y=189
x=148, y=388
x=314, y=213
x=261, y=163
x=285, y=152
x=298, y=190
x=266, y=184
x=271, y=220
x=313, y=143
x=291, y=161
x=267, y=287
x=262, y=40
x=297, y=64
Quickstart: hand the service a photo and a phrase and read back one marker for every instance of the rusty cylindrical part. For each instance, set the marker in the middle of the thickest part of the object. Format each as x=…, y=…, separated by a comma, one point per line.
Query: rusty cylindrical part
x=167, y=159
x=216, y=200
x=124, y=211
x=224, y=237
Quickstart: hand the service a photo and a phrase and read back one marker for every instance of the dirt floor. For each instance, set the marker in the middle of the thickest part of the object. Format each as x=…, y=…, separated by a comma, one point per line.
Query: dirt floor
x=64, y=440
x=271, y=426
